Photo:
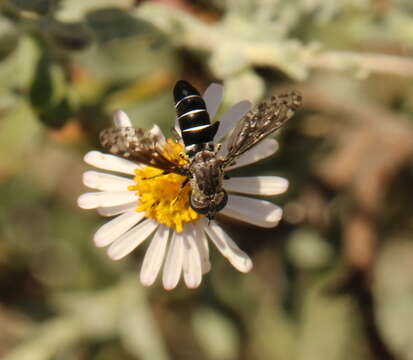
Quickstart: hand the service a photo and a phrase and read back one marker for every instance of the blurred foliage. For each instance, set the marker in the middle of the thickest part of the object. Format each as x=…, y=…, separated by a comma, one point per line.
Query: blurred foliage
x=334, y=281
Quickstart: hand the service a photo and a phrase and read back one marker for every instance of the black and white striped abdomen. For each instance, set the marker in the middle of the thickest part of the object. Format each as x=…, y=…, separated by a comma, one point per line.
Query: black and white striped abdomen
x=193, y=117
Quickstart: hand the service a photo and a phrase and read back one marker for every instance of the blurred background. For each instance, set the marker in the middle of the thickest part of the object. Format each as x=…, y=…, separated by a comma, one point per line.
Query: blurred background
x=333, y=281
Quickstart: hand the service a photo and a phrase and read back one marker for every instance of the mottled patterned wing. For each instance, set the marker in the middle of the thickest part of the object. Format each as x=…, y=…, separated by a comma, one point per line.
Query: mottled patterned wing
x=260, y=122
x=139, y=145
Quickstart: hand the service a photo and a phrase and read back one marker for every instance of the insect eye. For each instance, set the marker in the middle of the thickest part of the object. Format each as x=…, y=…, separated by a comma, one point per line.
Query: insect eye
x=222, y=202
x=211, y=206
x=199, y=209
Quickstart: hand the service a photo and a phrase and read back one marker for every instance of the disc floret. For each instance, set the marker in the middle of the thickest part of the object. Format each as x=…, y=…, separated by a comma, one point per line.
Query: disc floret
x=165, y=197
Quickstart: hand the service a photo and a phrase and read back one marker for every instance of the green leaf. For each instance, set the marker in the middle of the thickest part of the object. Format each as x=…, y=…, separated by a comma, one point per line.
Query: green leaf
x=48, y=93
x=306, y=249
x=393, y=291
x=41, y=90
x=115, y=24
x=16, y=128
x=127, y=48
x=216, y=334
x=228, y=59
x=36, y=7
x=9, y=37
x=56, y=116
x=245, y=85
x=329, y=324
x=72, y=36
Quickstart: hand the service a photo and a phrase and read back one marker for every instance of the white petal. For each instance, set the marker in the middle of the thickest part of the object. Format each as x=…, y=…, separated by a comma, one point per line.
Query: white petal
x=93, y=200
x=121, y=119
x=212, y=97
x=130, y=240
x=177, y=128
x=116, y=227
x=156, y=130
x=154, y=256
x=174, y=260
x=228, y=248
x=111, y=162
x=254, y=211
x=264, y=149
x=203, y=248
x=106, y=182
x=192, y=268
x=257, y=185
x=116, y=210
x=230, y=119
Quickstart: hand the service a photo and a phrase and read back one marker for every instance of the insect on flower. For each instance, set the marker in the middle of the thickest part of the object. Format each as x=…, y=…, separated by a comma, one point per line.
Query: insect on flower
x=171, y=186
x=203, y=168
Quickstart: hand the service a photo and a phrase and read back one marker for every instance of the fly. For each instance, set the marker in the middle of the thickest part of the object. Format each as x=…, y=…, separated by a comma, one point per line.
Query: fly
x=205, y=169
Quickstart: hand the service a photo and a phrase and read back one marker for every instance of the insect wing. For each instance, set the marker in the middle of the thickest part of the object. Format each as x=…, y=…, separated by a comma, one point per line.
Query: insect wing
x=139, y=145
x=260, y=122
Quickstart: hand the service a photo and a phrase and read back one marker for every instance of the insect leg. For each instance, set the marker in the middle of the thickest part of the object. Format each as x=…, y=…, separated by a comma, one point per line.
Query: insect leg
x=176, y=135
x=180, y=191
x=155, y=176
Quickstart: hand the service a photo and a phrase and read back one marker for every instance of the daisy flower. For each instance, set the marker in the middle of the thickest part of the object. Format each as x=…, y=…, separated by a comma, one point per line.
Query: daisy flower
x=148, y=206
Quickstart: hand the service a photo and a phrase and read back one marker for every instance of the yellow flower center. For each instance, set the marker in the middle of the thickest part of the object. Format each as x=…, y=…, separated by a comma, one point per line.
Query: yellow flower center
x=162, y=197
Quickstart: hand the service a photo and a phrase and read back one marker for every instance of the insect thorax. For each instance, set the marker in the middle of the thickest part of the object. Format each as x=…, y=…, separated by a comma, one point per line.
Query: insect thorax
x=206, y=171
x=208, y=196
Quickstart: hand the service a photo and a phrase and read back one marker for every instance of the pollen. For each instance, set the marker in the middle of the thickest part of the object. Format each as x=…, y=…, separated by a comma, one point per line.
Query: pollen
x=165, y=197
